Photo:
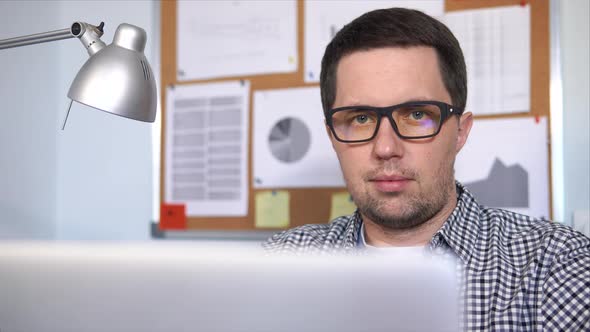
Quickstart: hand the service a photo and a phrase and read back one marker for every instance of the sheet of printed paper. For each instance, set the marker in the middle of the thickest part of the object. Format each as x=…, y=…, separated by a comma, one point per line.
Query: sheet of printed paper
x=323, y=19
x=291, y=145
x=235, y=38
x=206, y=165
x=505, y=164
x=496, y=43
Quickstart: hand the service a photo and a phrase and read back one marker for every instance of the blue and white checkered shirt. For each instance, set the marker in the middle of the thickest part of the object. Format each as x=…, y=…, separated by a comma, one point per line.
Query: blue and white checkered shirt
x=520, y=273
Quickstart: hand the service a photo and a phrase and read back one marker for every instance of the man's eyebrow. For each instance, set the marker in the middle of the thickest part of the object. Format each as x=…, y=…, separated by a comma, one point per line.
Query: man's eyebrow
x=419, y=99
x=409, y=100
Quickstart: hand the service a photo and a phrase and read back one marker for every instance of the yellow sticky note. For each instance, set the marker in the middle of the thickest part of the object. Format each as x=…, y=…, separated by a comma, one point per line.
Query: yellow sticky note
x=272, y=209
x=342, y=205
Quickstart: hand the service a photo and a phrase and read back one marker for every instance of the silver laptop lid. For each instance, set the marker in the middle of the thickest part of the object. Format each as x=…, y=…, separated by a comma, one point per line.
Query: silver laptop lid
x=209, y=287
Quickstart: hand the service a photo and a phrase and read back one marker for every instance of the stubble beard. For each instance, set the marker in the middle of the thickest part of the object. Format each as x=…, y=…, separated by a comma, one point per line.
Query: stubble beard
x=416, y=209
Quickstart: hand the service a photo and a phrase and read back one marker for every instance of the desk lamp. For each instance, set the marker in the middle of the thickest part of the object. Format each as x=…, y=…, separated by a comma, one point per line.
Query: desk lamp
x=116, y=78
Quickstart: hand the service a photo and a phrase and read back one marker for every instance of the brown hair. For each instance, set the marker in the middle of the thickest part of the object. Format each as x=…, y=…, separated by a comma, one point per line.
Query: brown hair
x=396, y=27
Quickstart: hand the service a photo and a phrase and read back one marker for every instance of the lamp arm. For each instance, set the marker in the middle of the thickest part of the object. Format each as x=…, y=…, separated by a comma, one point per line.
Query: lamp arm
x=88, y=34
x=36, y=38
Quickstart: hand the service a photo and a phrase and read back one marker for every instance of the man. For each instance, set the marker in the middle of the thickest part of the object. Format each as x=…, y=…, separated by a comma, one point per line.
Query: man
x=393, y=87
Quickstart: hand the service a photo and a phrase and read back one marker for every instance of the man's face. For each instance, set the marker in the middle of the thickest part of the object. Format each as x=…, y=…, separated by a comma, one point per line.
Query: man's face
x=395, y=182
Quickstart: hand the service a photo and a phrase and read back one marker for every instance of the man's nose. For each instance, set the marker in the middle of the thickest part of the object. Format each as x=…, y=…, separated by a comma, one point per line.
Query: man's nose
x=387, y=144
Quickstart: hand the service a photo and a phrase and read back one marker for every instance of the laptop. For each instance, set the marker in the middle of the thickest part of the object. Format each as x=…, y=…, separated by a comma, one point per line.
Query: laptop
x=185, y=286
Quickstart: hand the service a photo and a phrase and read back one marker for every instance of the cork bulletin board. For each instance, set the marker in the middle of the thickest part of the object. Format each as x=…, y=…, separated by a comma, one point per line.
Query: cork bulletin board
x=312, y=205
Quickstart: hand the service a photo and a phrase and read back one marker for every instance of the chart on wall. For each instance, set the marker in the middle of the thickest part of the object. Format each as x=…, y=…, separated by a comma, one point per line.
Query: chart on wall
x=291, y=145
x=207, y=148
x=496, y=44
x=504, y=164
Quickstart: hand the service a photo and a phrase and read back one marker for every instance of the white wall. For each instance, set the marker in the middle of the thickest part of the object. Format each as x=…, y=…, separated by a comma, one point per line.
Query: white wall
x=104, y=162
x=28, y=142
x=575, y=56
x=93, y=180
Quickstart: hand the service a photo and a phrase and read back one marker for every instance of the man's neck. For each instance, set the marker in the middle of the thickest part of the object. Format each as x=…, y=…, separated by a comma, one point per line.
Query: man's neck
x=380, y=236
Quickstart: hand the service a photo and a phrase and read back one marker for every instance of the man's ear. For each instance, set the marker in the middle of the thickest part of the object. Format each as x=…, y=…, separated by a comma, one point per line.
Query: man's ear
x=465, y=123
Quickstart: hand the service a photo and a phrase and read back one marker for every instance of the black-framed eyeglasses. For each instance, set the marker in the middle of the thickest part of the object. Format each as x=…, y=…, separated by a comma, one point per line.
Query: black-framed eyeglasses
x=411, y=120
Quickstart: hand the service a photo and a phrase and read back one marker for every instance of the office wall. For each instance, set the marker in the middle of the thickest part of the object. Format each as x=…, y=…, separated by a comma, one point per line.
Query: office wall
x=28, y=126
x=94, y=180
x=104, y=175
x=575, y=52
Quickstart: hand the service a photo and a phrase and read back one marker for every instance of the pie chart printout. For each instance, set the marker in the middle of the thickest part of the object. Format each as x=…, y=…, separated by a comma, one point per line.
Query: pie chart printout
x=289, y=140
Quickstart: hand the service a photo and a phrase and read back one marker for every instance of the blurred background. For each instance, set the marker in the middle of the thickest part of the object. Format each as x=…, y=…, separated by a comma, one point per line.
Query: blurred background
x=99, y=179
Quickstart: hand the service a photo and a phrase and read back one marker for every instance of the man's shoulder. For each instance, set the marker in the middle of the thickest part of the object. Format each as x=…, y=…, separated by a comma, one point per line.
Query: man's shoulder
x=522, y=233
x=513, y=224
x=553, y=257
x=333, y=235
x=508, y=227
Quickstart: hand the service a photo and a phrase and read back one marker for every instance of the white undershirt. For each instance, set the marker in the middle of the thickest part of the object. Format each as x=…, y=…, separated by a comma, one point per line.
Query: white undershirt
x=390, y=250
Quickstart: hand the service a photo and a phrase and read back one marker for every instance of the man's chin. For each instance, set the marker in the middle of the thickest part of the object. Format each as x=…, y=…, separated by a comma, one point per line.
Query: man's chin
x=395, y=222
x=396, y=211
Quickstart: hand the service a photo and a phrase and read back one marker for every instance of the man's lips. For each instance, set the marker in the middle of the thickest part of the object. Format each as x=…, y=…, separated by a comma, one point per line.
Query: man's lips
x=389, y=178
x=390, y=183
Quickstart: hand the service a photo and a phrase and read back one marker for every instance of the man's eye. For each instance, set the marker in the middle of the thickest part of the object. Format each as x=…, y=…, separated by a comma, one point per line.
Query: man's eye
x=362, y=118
x=417, y=115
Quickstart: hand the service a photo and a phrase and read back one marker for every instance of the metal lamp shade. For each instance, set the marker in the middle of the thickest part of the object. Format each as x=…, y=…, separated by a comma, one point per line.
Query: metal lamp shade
x=118, y=78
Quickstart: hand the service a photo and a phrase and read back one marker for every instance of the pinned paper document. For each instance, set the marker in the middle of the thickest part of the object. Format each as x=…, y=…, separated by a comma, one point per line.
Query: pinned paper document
x=206, y=151
x=342, y=205
x=272, y=209
x=496, y=43
x=505, y=174
x=291, y=146
x=262, y=35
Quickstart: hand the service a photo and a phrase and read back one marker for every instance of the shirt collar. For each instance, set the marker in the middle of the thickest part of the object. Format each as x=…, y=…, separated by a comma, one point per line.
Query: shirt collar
x=461, y=230
x=352, y=235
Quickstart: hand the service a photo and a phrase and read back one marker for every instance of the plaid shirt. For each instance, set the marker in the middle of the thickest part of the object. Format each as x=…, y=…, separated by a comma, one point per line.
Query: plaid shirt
x=520, y=273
